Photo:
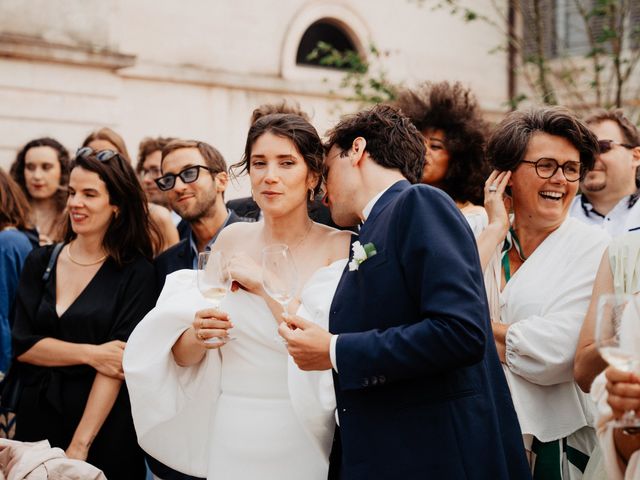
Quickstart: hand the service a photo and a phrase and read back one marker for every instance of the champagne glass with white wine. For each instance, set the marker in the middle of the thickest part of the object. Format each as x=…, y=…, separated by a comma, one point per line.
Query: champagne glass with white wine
x=618, y=339
x=214, y=282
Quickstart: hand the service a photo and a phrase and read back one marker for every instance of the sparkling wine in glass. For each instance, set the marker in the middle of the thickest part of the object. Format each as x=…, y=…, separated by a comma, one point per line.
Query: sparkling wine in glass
x=214, y=281
x=279, y=274
x=618, y=339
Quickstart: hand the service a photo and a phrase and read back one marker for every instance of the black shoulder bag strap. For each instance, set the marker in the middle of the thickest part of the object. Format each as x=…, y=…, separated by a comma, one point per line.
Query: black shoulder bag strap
x=52, y=262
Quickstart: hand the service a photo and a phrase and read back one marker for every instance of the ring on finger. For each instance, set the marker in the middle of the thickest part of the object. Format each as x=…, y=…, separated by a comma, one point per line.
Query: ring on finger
x=493, y=187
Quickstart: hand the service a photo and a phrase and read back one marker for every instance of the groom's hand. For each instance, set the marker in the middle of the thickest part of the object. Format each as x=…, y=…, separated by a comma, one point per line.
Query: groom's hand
x=307, y=343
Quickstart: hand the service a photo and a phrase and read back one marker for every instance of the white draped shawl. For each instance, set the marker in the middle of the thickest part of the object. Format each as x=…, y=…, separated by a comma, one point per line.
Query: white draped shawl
x=173, y=407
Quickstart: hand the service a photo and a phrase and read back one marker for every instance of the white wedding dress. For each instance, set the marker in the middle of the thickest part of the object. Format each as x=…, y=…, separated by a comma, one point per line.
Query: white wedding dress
x=246, y=411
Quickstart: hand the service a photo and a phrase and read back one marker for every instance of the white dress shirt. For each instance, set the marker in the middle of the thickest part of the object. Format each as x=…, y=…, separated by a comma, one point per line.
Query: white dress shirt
x=624, y=217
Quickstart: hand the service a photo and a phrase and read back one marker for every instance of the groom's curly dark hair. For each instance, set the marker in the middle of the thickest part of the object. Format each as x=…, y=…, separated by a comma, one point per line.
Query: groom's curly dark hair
x=392, y=140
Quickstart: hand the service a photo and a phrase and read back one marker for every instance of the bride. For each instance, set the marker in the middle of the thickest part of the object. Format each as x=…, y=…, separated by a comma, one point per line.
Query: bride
x=242, y=409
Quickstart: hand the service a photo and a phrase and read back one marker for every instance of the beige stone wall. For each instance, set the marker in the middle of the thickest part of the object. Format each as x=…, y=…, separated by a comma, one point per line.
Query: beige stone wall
x=197, y=69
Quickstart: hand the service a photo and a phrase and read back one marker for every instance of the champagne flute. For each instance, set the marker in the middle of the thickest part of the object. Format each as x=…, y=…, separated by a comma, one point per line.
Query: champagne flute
x=279, y=274
x=214, y=282
x=618, y=339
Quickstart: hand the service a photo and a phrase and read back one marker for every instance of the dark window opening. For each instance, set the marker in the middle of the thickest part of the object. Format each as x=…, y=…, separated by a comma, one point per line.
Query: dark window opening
x=322, y=31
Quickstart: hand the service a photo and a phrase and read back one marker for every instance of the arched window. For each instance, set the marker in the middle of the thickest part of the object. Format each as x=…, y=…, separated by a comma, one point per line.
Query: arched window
x=327, y=32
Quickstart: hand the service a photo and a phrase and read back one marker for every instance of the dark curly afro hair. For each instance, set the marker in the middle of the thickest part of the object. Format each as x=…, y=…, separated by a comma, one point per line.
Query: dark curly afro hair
x=453, y=109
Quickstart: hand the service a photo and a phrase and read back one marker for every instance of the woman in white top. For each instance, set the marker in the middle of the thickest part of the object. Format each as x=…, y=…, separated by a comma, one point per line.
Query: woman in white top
x=454, y=133
x=243, y=410
x=539, y=270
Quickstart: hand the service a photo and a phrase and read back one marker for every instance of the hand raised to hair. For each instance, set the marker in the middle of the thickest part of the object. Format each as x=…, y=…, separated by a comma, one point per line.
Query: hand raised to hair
x=496, y=203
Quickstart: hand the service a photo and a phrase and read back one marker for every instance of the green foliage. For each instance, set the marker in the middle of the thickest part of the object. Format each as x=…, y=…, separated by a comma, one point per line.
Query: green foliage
x=514, y=103
x=553, y=77
x=369, y=86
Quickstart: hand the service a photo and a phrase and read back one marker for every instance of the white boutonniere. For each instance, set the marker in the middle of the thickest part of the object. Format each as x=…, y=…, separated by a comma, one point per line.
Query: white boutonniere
x=360, y=254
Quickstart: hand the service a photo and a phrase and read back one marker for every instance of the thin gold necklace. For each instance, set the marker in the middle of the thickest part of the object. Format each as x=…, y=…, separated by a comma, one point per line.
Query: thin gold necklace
x=101, y=259
x=303, y=237
x=291, y=249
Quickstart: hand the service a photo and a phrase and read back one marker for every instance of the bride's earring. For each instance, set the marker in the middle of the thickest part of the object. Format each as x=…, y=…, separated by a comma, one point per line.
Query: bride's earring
x=312, y=195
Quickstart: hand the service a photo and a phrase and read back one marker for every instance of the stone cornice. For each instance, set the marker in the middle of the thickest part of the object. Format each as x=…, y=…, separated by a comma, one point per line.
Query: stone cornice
x=191, y=74
x=27, y=47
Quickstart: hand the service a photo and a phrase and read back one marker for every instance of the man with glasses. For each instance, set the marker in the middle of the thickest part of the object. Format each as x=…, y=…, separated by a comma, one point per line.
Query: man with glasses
x=194, y=178
x=148, y=169
x=610, y=191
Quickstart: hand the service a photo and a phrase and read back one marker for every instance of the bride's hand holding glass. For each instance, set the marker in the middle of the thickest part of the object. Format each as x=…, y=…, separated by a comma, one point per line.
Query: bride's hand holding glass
x=211, y=327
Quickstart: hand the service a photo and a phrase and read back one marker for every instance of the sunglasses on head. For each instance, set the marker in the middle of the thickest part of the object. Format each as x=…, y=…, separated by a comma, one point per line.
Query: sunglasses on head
x=606, y=145
x=188, y=175
x=101, y=156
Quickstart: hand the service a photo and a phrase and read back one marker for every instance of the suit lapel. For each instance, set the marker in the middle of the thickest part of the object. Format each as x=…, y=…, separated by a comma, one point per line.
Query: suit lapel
x=346, y=292
x=382, y=203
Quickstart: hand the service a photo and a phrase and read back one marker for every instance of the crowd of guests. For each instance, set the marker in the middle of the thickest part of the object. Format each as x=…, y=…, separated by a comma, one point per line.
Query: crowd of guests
x=88, y=241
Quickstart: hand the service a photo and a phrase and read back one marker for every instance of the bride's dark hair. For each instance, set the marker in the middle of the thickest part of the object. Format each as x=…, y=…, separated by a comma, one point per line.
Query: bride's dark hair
x=303, y=135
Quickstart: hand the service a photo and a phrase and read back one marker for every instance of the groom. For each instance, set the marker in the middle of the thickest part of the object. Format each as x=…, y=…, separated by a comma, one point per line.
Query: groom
x=419, y=387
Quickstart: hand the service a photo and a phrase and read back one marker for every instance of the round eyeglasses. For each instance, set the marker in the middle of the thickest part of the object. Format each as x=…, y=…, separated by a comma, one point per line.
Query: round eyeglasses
x=547, y=168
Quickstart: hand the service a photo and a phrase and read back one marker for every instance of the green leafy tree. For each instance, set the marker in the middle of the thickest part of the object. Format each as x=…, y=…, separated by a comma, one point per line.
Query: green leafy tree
x=605, y=76
x=369, y=85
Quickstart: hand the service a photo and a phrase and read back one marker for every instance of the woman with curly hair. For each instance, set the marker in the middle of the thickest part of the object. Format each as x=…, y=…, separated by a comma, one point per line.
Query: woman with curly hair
x=454, y=133
x=41, y=168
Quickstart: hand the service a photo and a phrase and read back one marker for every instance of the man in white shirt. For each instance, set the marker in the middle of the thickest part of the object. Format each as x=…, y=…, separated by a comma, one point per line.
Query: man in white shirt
x=610, y=192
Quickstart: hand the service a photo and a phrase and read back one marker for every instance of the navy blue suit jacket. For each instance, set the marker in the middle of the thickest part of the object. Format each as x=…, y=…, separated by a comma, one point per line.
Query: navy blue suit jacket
x=420, y=389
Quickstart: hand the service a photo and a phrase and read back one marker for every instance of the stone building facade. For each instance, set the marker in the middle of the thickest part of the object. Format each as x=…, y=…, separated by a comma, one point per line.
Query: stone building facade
x=196, y=69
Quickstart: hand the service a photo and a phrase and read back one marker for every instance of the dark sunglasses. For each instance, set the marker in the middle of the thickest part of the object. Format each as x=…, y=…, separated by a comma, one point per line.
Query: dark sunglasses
x=606, y=145
x=188, y=175
x=101, y=156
